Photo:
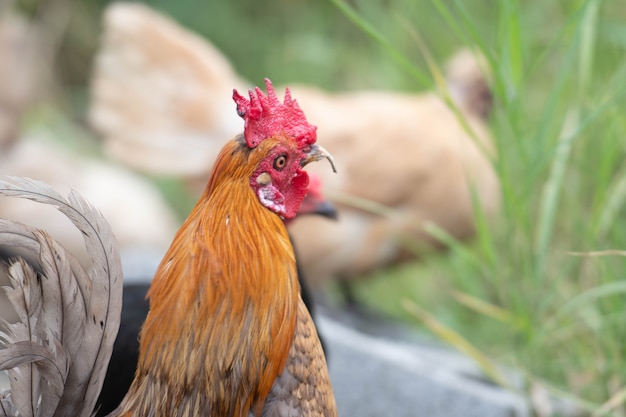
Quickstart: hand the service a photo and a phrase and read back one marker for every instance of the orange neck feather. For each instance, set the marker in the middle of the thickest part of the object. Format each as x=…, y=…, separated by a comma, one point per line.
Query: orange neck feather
x=222, y=303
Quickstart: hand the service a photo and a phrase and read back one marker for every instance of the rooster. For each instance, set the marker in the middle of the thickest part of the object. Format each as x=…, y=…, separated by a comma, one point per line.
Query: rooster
x=227, y=333
x=135, y=307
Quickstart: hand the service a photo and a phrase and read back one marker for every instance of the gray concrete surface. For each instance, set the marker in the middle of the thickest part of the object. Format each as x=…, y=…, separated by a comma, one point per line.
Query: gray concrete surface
x=372, y=376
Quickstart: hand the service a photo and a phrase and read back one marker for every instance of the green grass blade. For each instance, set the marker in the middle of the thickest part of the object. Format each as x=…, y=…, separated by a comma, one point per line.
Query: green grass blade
x=373, y=33
x=618, y=399
x=512, y=66
x=457, y=341
x=454, y=244
x=487, y=309
x=450, y=20
x=471, y=28
x=583, y=300
x=551, y=192
x=587, y=42
x=614, y=204
x=553, y=186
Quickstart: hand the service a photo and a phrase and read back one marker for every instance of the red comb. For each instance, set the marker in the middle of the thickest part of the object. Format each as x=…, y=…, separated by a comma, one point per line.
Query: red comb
x=265, y=117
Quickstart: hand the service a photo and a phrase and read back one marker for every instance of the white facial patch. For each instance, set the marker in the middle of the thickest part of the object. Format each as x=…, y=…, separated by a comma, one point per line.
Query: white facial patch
x=271, y=198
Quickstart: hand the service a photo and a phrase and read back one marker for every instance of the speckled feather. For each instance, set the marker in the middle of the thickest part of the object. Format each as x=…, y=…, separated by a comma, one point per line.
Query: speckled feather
x=303, y=388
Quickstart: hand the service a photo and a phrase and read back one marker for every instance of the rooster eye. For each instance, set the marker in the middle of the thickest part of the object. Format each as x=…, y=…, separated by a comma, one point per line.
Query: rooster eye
x=280, y=162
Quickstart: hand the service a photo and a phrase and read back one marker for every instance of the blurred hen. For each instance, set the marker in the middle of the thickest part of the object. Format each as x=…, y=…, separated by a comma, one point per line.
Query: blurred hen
x=139, y=215
x=24, y=53
x=422, y=165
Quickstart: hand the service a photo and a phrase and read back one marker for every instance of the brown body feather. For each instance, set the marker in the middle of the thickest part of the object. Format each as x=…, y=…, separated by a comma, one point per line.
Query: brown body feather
x=223, y=304
x=303, y=388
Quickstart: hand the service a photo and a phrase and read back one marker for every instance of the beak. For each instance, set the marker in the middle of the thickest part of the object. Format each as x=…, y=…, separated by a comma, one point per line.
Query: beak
x=317, y=153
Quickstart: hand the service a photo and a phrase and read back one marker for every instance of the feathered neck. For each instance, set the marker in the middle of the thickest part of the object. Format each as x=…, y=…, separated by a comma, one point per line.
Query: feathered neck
x=222, y=303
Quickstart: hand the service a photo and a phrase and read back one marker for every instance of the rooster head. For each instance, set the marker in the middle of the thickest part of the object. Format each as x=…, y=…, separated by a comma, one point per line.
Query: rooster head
x=281, y=134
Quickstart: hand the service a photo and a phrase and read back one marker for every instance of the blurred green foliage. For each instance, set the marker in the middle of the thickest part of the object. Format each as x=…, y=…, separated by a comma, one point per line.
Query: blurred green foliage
x=290, y=41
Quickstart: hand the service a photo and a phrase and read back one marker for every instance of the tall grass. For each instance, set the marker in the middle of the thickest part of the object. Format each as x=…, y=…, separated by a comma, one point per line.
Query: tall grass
x=532, y=291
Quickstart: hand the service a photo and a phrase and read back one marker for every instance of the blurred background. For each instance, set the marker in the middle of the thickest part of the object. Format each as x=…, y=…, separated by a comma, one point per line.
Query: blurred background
x=537, y=285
